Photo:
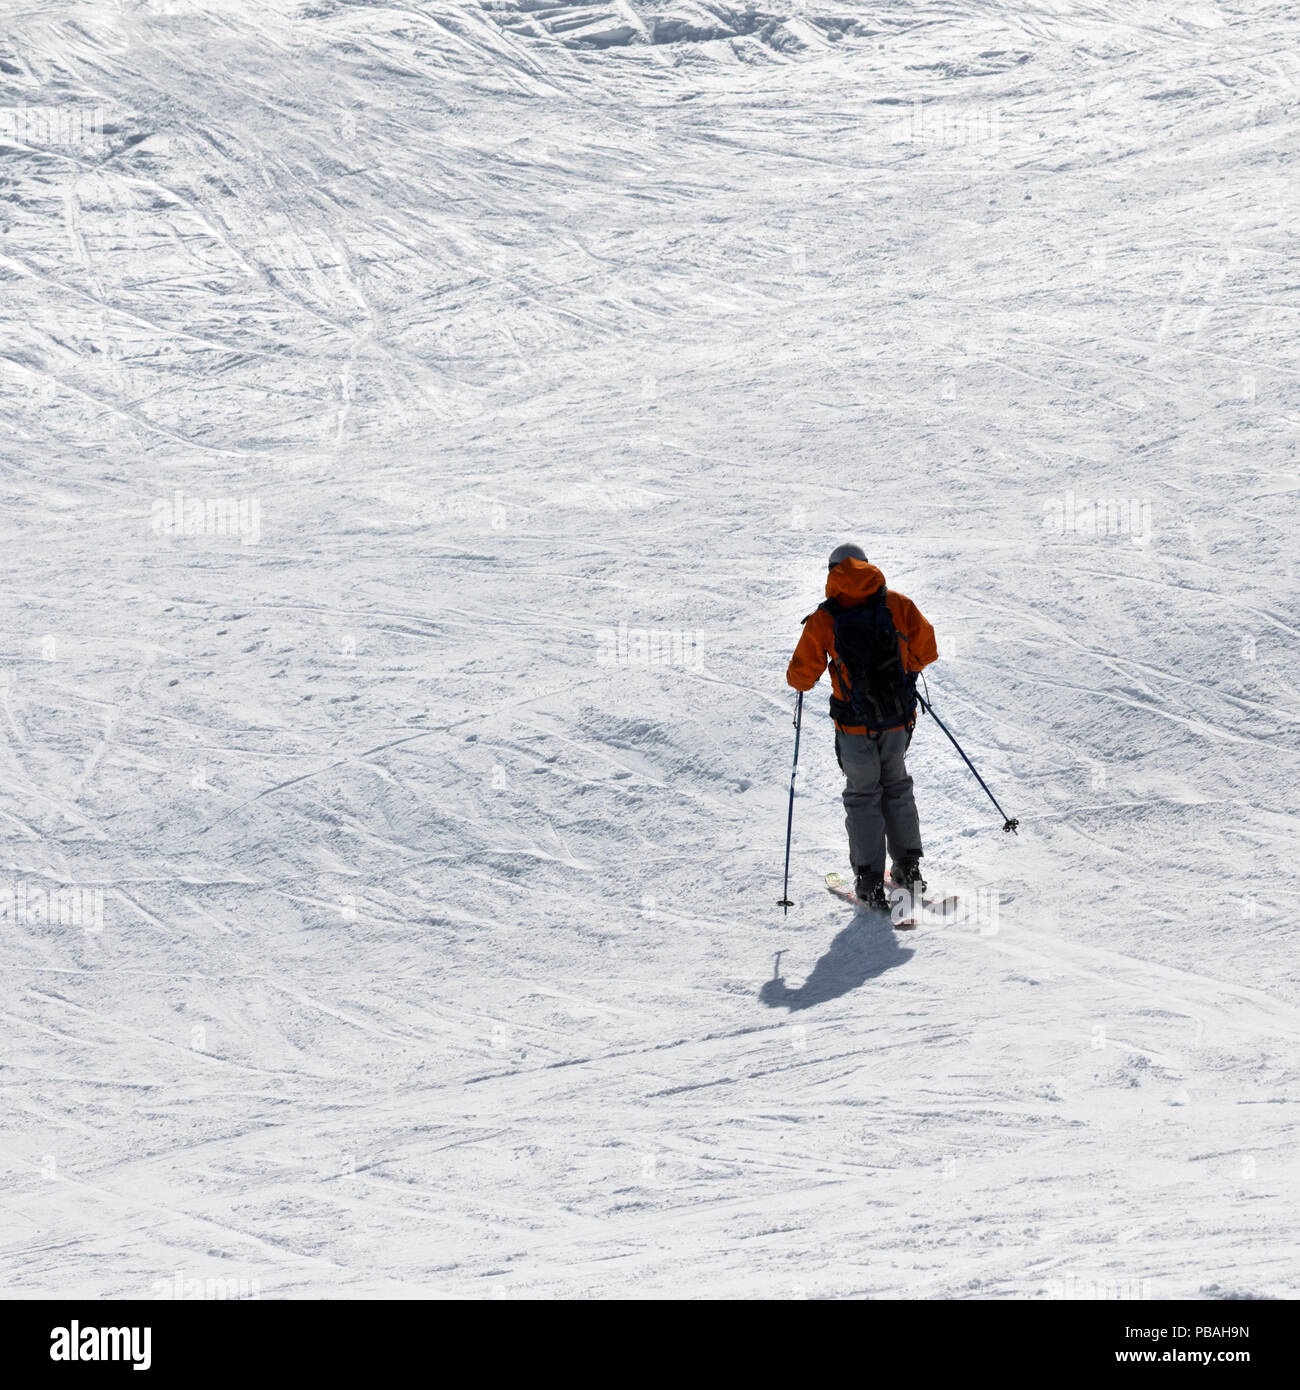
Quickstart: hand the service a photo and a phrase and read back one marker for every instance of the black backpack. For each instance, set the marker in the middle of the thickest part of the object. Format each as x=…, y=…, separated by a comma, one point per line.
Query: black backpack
x=869, y=660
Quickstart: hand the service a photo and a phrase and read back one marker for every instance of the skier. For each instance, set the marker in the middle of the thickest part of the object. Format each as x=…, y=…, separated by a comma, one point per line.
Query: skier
x=875, y=641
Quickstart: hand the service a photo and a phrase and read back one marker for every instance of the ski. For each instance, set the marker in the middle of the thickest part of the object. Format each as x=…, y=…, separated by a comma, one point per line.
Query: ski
x=943, y=906
x=839, y=886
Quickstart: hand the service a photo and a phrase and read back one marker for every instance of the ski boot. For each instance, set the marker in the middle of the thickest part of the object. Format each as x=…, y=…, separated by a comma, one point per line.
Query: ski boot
x=869, y=888
x=906, y=873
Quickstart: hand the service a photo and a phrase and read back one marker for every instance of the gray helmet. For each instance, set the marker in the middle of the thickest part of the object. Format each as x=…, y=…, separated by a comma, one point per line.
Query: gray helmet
x=845, y=552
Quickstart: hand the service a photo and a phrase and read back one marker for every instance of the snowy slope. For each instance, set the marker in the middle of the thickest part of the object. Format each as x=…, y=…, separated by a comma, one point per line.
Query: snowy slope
x=417, y=937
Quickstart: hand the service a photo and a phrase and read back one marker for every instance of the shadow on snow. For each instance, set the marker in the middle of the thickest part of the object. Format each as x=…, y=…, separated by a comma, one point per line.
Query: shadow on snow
x=866, y=948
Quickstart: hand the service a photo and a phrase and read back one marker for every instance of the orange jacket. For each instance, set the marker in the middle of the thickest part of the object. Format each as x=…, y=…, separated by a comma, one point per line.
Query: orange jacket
x=850, y=583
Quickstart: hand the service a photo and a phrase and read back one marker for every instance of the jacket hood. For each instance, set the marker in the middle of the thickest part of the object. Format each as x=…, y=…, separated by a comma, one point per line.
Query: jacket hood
x=853, y=581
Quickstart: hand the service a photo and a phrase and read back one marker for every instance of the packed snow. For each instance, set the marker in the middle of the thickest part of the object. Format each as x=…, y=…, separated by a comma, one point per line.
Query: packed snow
x=423, y=430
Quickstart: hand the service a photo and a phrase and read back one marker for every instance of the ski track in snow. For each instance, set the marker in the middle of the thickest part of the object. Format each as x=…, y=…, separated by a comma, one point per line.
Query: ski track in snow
x=439, y=955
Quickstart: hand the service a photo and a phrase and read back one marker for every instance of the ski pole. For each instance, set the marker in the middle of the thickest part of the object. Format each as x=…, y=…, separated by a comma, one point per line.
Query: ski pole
x=1008, y=822
x=785, y=902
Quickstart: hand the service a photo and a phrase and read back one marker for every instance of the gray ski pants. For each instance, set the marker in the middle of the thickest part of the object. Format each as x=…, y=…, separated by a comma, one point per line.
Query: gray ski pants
x=880, y=810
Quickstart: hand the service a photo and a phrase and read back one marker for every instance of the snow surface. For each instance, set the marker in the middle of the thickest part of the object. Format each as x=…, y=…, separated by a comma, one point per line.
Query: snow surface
x=438, y=948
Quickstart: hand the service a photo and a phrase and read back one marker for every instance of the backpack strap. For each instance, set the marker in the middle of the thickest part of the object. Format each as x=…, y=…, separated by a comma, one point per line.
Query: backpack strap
x=833, y=609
